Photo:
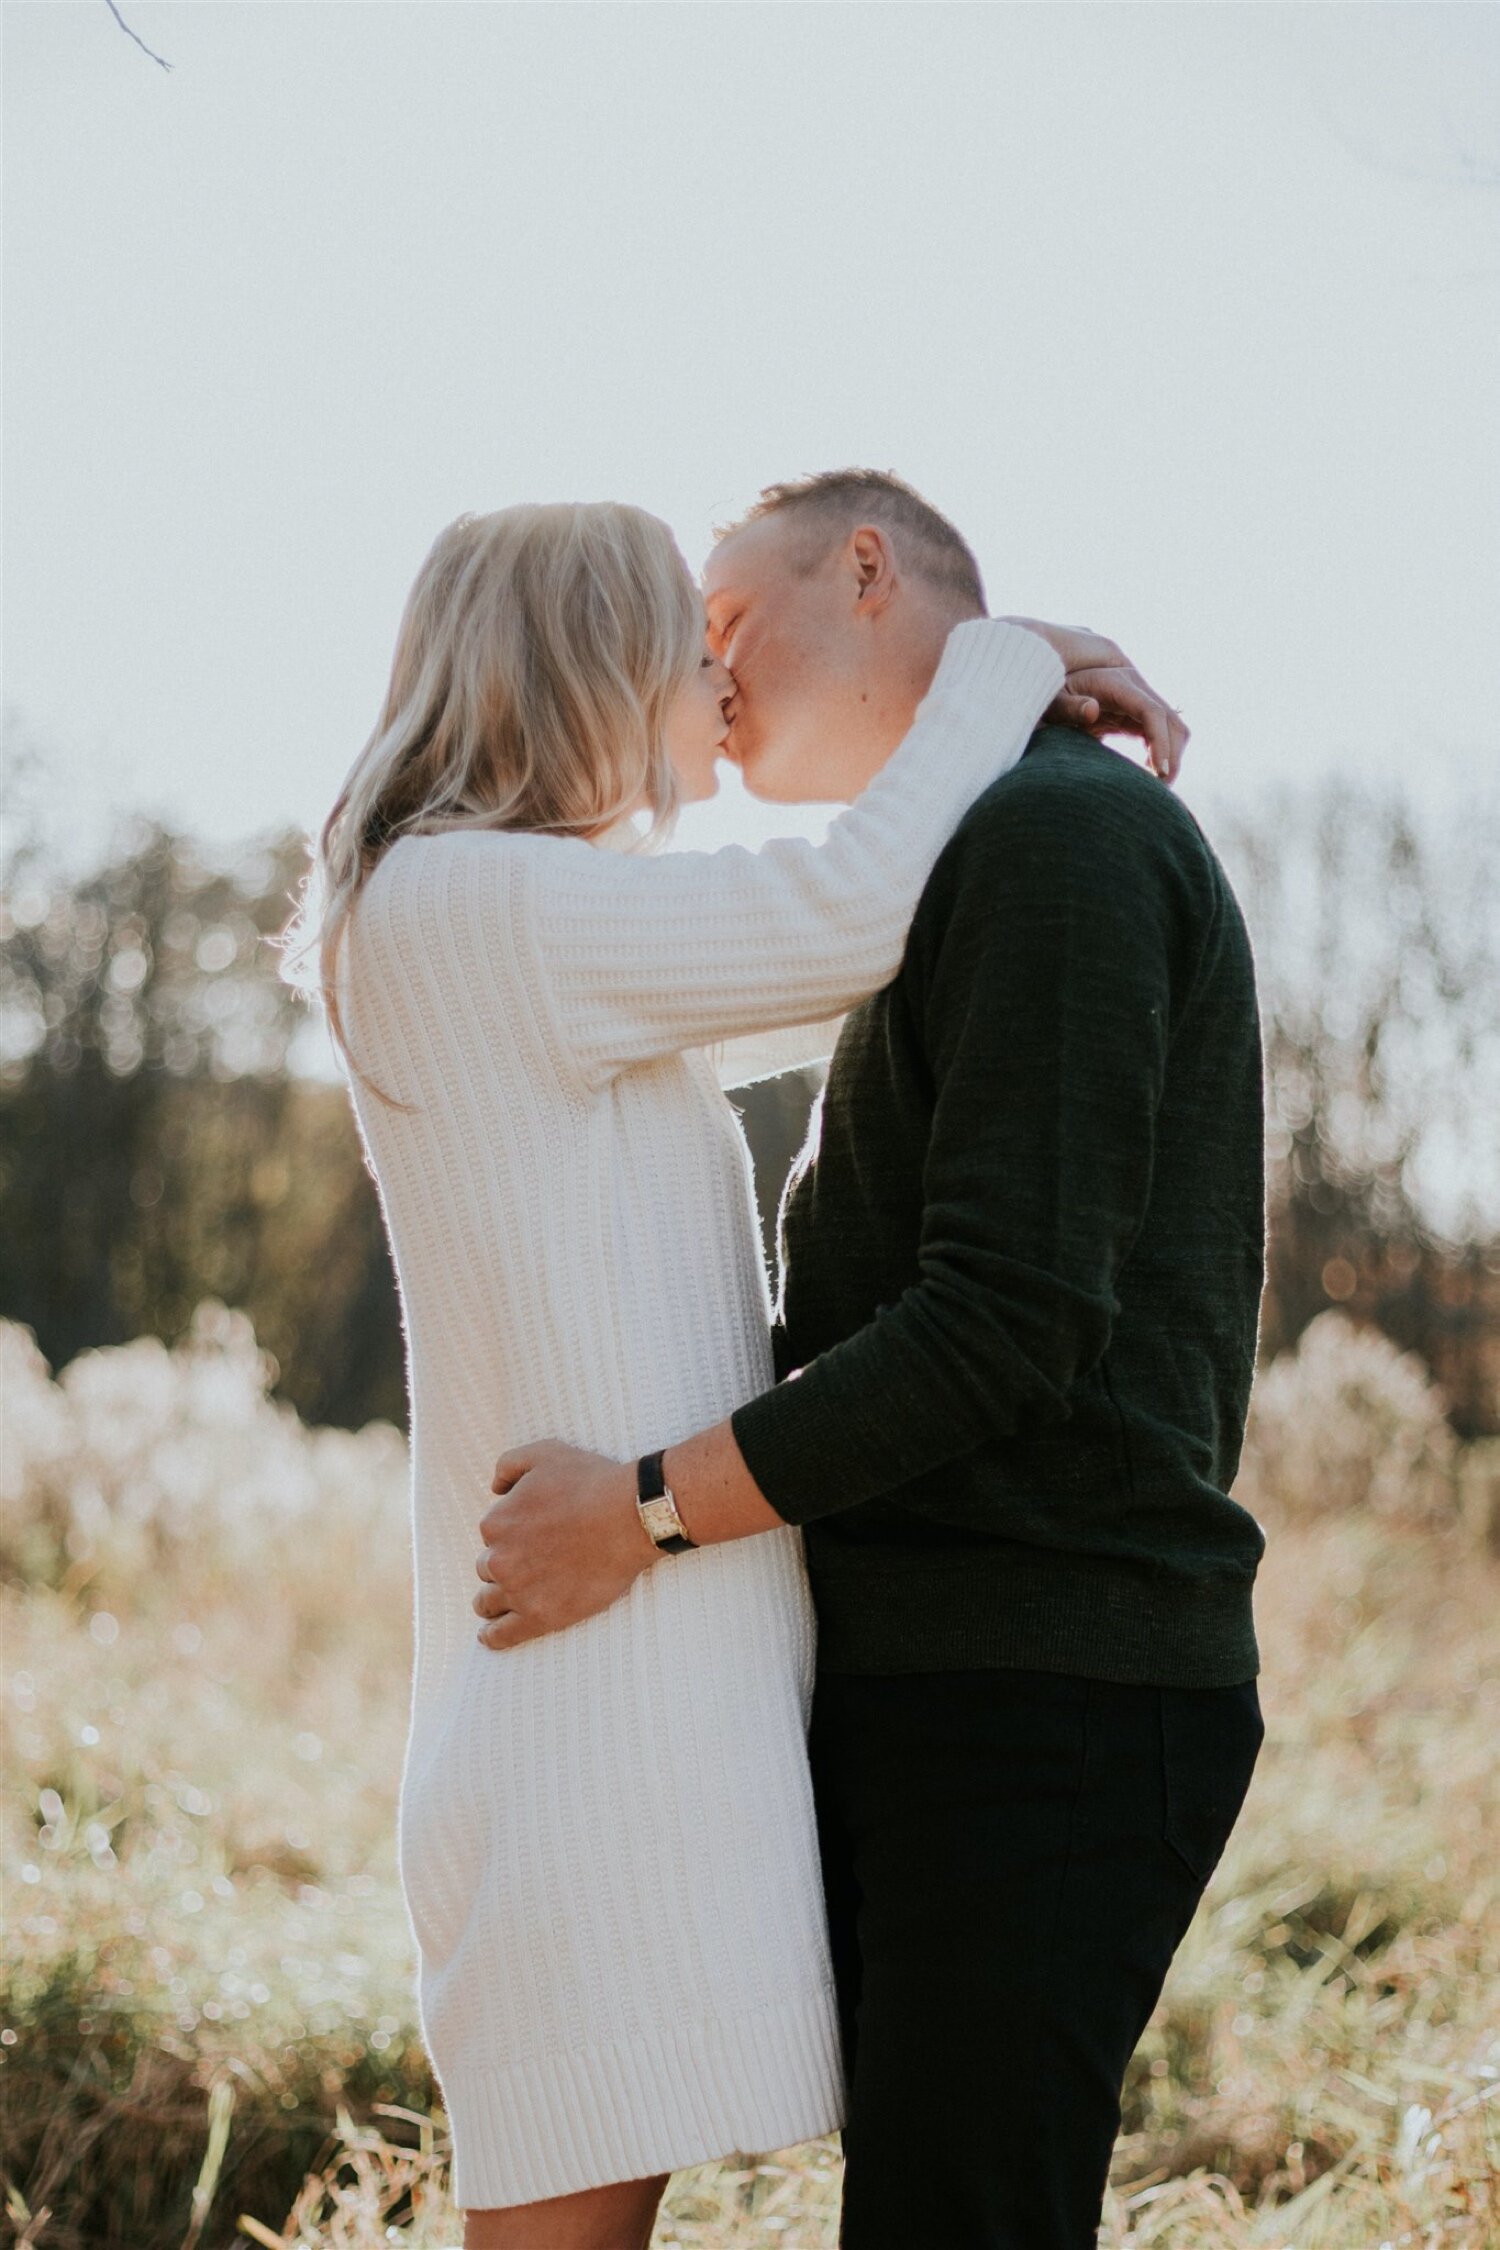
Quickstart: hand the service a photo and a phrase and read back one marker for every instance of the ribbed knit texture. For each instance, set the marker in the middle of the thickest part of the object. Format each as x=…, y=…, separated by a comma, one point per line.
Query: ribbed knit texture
x=606, y=1837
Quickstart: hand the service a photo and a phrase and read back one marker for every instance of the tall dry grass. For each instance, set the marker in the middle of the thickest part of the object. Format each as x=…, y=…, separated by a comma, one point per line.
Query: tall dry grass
x=207, y=2024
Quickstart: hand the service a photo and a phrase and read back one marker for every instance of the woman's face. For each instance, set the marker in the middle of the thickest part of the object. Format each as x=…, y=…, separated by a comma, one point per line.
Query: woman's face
x=697, y=726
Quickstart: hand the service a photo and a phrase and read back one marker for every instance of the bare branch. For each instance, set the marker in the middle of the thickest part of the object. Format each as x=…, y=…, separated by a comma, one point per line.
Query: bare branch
x=135, y=35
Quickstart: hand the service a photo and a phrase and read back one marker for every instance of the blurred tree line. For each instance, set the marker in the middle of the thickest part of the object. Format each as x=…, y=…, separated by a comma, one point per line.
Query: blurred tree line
x=1377, y=943
x=159, y=1144
x=155, y=1146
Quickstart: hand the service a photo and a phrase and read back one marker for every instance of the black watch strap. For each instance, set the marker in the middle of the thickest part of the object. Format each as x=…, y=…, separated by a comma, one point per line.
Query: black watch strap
x=651, y=1476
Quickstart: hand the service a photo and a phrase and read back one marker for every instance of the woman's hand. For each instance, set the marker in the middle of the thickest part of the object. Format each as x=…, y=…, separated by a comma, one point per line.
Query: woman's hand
x=1105, y=694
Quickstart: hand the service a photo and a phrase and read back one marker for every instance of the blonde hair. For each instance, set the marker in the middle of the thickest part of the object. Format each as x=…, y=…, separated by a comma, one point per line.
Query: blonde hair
x=539, y=653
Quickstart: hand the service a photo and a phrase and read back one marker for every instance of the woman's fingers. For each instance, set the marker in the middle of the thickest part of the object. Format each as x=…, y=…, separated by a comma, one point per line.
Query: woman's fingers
x=1127, y=705
x=1103, y=693
x=1168, y=736
x=1072, y=710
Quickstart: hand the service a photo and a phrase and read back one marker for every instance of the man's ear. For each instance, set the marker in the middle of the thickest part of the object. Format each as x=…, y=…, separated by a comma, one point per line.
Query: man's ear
x=873, y=564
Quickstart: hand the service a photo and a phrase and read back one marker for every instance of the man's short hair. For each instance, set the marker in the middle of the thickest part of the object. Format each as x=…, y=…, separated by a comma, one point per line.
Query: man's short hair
x=836, y=501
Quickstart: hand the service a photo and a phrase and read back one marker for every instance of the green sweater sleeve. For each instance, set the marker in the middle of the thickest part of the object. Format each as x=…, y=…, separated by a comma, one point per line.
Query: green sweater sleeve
x=1040, y=975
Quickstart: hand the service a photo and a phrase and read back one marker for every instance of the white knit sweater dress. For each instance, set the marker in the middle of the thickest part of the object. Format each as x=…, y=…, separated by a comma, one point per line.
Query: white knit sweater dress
x=606, y=1837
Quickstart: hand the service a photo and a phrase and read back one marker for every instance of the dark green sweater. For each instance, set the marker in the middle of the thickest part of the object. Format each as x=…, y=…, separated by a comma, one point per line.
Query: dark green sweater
x=1022, y=1277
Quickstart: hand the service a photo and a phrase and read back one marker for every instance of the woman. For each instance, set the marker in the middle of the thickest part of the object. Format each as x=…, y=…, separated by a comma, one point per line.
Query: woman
x=606, y=1837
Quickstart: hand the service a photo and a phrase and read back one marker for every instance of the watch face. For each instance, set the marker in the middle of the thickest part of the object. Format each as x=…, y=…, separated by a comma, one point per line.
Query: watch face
x=661, y=1518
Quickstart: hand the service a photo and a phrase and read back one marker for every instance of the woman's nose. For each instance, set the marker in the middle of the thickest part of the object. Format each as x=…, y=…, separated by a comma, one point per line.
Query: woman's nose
x=723, y=681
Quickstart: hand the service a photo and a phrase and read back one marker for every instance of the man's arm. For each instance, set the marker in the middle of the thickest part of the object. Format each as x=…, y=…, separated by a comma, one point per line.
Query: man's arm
x=1044, y=995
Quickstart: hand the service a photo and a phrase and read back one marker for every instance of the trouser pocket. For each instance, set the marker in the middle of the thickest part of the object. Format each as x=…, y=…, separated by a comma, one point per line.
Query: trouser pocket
x=1210, y=1739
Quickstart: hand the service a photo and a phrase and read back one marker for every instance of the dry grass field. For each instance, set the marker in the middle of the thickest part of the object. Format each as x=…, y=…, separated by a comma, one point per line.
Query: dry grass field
x=207, y=2023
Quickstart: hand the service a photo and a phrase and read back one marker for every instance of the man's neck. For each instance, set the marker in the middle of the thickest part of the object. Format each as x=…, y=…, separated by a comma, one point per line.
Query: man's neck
x=889, y=704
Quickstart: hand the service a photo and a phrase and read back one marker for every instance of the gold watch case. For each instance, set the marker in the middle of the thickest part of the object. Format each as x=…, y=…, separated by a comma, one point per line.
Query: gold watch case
x=661, y=1518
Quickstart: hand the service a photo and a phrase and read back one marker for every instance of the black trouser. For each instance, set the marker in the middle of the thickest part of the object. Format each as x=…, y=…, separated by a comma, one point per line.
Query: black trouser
x=1011, y=1860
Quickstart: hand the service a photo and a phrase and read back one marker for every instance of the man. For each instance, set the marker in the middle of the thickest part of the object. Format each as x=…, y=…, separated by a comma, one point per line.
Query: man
x=1021, y=1283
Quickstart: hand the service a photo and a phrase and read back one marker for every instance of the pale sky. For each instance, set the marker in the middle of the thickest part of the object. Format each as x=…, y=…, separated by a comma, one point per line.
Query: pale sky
x=1187, y=314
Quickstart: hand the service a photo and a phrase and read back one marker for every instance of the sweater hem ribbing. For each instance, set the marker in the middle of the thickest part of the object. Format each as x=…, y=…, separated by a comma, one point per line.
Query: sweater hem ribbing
x=1138, y=1628
x=679, y=2096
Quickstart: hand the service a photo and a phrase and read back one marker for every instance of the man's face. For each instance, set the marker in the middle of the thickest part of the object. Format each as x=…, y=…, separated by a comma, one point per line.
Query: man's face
x=788, y=635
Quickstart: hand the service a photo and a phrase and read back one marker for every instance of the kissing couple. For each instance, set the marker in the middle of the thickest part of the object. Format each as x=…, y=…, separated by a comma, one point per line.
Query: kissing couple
x=862, y=1694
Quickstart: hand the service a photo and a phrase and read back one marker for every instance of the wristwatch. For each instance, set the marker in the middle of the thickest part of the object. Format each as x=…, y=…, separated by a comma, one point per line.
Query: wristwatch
x=657, y=1509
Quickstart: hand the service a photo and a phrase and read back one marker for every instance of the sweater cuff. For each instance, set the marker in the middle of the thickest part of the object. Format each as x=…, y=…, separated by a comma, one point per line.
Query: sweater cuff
x=786, y=1442
x=985, y=654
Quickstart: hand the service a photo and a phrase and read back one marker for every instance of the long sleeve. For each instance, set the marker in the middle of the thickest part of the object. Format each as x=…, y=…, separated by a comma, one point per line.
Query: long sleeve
x=766, y=1054
x=1043, y=981
x=646, y=955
